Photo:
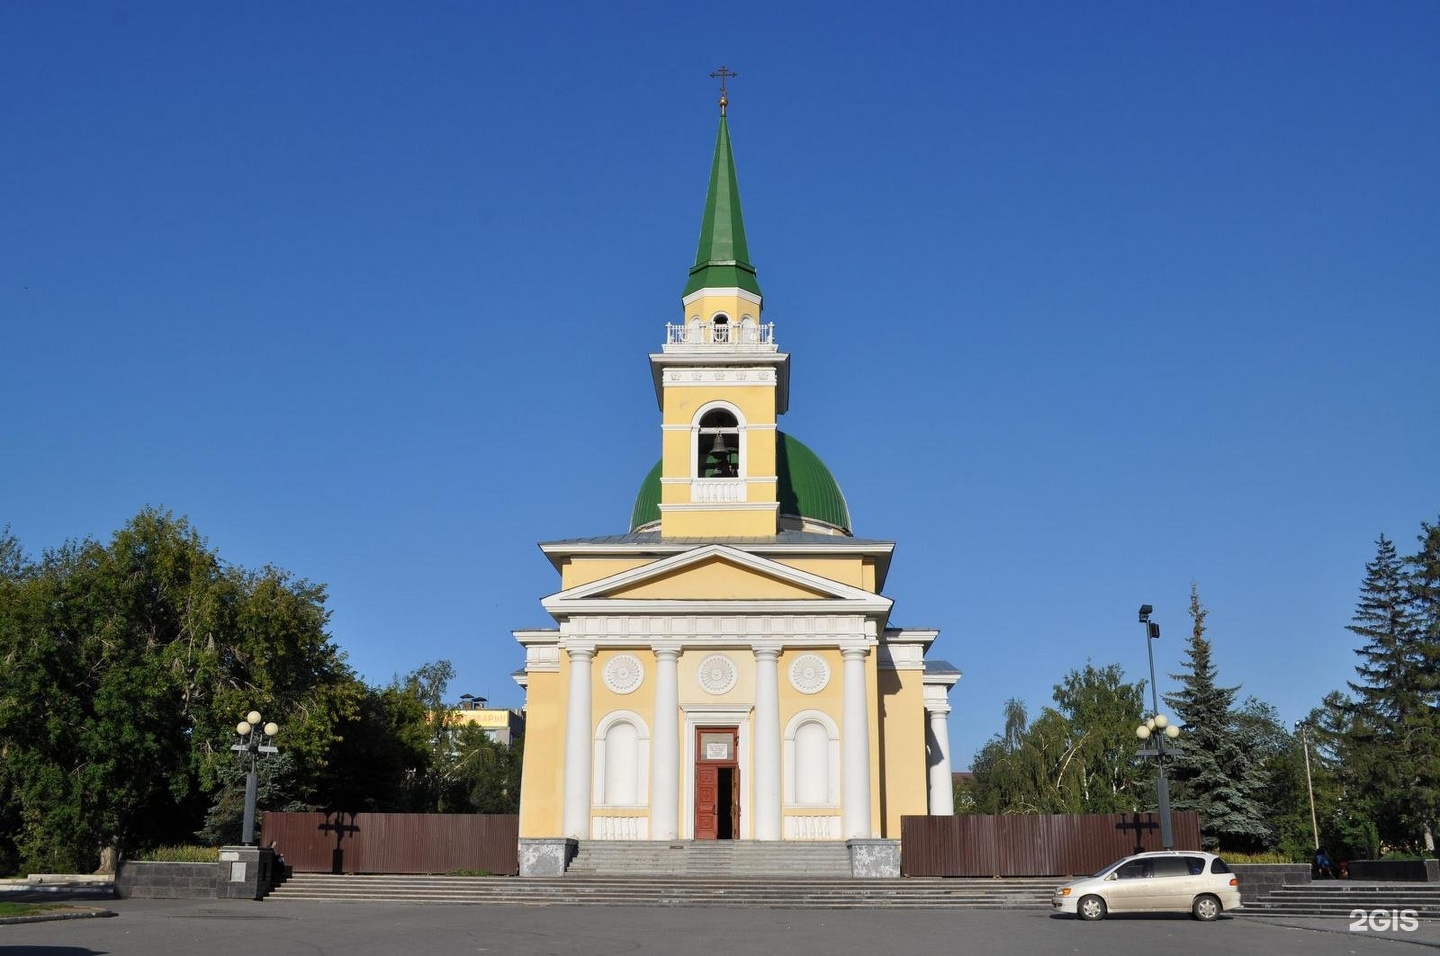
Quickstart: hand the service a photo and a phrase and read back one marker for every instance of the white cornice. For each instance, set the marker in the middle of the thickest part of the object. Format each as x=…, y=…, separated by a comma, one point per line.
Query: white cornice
x=749, y=480
x=923, y=636
x=563, y=608
x=713, y=377
x=901, y=657
x=724, y=293
x=841, y=545
x=721, y=506
x=758, y=427
x=718, y=356
x=708, y=630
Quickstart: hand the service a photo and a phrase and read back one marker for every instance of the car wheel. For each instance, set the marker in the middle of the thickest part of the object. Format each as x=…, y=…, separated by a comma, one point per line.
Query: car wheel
x=1090, y=908
x=1206, y=908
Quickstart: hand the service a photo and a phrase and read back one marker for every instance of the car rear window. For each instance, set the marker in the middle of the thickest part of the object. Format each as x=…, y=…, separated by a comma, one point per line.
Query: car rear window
x=1217, y=865
x=1171, y=866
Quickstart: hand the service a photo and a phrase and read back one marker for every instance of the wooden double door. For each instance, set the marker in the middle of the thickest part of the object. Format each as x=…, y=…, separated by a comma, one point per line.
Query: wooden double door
x=717, y=784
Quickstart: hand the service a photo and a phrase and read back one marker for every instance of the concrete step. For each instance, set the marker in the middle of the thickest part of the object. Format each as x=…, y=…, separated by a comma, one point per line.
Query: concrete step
x=1340, y=899
x=710, y=858
x=571, y=891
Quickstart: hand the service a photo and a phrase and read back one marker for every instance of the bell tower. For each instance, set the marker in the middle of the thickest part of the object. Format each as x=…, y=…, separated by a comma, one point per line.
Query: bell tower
x=721, y=380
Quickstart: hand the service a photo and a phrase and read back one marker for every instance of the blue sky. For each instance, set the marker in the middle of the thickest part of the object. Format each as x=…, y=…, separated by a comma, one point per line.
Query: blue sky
x=1085, y=303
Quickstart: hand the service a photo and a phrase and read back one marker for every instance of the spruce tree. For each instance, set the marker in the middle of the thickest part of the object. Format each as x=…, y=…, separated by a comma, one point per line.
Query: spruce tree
x=1422, y=725
x=1214, y=770
x=1390, y=748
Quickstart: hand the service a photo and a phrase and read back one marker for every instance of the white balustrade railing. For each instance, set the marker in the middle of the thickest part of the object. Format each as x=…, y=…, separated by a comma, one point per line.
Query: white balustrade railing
x=619, y=828
x=711, y=491
x=812, y=827
x=727, y=334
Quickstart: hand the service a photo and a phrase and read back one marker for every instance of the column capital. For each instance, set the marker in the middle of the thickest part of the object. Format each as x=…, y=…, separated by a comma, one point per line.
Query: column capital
x=932, y=707
x=854, y=652
x=580, y=652
x=667, y=650
x=767, y=650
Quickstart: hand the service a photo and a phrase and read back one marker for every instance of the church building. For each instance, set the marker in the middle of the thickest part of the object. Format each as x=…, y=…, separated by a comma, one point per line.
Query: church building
x=726, y=668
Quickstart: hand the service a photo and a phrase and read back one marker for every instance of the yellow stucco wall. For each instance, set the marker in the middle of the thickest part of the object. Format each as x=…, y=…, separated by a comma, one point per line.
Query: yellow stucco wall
x=715, y=580
x=582, y=570
x=542, y=773
x=851, y=569
x=902, y=739
x=718, y=522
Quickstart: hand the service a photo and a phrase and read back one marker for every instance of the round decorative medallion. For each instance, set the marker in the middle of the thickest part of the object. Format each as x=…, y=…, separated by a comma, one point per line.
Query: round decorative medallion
x=624, y=673
x=809, y=673
x=718, y=674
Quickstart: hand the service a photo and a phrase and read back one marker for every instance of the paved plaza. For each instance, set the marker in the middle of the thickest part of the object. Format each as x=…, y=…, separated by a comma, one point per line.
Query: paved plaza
x=204, y=928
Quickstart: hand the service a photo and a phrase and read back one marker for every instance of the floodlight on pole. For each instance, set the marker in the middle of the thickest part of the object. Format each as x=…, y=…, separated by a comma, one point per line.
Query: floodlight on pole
x=1158, y=722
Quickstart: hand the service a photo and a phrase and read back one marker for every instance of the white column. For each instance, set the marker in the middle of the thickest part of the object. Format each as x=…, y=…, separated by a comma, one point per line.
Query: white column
x=665, y=748
x=579, y=725
x=942, y=784
x=767, y=742
x=855, y=747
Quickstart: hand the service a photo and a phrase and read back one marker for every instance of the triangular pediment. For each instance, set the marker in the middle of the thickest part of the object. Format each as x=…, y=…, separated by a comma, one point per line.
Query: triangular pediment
x=714, y=573
x=717, y=579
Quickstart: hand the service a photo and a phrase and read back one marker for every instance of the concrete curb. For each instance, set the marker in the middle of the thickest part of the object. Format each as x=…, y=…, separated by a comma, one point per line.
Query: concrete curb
x=54, y=915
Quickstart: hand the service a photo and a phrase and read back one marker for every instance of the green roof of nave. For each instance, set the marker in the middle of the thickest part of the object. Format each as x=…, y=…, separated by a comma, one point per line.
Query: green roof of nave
x=806, y=488
x=722, y=260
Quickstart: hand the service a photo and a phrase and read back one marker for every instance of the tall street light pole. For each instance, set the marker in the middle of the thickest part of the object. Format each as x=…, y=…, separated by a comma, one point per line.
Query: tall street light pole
x=1303, y=726
x=1158, y=722
x=253, y=740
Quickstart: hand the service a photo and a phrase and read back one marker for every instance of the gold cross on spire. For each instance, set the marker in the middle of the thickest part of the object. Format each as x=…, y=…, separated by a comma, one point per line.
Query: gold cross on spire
x=723, y=74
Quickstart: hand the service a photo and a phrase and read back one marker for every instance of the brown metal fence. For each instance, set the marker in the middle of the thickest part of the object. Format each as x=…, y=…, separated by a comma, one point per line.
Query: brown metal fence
x=1032, y=844
x=394, y=842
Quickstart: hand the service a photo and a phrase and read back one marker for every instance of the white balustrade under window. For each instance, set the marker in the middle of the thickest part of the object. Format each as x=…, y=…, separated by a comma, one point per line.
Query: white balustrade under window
x=710, y=491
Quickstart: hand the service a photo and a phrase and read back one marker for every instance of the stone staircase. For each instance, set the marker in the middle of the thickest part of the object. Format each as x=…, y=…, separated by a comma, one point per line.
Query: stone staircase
x=762, y=892
x=1339, y=898
x=710, y=859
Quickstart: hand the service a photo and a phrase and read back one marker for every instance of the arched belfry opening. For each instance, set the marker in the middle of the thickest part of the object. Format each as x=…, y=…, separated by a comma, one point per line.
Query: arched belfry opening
x=717, y=445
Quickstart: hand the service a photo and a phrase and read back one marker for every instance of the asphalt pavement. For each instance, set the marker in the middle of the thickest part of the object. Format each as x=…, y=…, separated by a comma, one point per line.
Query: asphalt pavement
x=222, y=928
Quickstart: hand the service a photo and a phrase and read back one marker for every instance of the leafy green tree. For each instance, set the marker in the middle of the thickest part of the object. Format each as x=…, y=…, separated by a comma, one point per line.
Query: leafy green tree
x=1343, y=801
x=1283, y=795
x=126, y=667
x=382, y=757
x=1077, y=757
x=1032, y=769
x=481, y=775
x=1213, y=769
x=1102, y=710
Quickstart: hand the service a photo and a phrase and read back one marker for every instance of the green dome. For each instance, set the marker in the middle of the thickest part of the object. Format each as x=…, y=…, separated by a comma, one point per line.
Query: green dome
x=806, y=488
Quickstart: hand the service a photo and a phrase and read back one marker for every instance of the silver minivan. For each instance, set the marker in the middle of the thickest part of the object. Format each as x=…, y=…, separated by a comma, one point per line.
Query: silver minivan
x=1170, y=881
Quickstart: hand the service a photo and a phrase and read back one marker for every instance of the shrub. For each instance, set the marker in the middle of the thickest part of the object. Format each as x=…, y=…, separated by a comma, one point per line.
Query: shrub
x=180, y=854
x=1269, y=856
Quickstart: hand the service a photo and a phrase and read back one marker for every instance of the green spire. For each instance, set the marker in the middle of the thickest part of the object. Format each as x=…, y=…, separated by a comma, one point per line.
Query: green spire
x=722, y=260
